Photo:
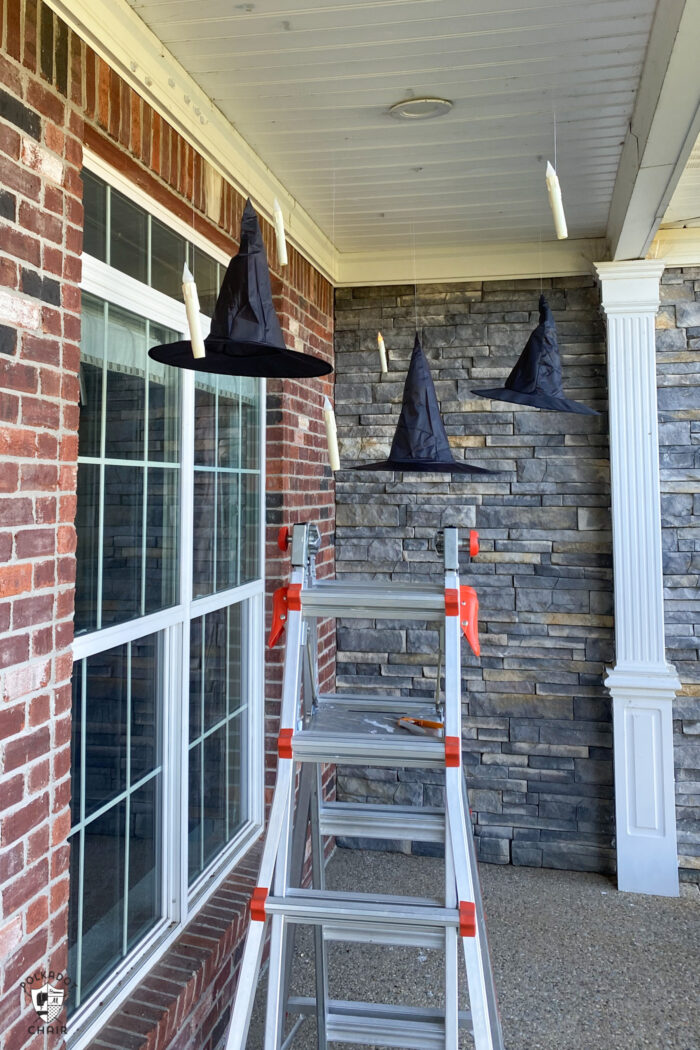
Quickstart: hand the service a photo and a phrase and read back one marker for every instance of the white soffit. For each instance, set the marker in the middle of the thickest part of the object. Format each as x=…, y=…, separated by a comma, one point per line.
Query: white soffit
x=684, y=206
x=307, y=85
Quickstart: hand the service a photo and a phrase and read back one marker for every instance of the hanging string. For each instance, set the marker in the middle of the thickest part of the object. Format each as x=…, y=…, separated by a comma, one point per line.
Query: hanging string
x=554, y=130
x=415, y=274
x=540, y=260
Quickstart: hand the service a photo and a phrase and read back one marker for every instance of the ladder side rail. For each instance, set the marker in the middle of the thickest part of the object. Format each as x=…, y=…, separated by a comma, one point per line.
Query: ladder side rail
x=252, y=953
x=455, y=813
x=451, y=957
x=491, y=995
x=485, y=1038
x=318, y=871
x=277, y=825
x=289, y=717
x=301, y=823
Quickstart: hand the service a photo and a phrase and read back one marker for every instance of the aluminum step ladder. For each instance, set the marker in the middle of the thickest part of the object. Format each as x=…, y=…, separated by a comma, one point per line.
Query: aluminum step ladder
x=349, y=729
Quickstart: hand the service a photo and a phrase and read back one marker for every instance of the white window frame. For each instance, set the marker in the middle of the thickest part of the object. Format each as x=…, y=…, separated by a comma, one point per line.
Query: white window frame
x=180, y=901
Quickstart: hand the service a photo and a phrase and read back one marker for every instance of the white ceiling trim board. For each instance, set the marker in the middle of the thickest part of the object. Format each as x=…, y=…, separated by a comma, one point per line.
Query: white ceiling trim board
x=122, y=39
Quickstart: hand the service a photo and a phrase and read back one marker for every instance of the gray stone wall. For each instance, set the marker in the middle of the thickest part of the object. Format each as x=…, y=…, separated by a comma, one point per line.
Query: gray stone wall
x=678, y=372
x=537, y=729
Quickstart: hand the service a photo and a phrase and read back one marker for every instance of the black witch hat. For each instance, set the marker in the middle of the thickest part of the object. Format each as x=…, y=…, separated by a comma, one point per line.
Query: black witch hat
x=536, y=379
x=420, y=442
x=245, y=338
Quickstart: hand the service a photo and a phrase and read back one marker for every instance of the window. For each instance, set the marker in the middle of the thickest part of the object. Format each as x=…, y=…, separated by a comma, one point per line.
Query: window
x=167, y=683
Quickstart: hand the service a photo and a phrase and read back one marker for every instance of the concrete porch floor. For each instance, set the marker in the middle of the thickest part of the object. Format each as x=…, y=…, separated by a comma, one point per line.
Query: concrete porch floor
x=578, y=965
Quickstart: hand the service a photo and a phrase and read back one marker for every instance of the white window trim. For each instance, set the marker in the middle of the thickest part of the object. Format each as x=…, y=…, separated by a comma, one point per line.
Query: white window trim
x=181, y=902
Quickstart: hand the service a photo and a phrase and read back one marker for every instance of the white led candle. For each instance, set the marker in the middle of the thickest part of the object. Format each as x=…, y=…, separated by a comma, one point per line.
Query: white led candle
x=331, y=435
x=189, y=292
x=555, y=202
x=382, y=352
x=279, y=230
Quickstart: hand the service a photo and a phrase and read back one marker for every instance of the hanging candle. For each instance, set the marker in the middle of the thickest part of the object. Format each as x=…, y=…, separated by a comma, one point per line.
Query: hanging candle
x=382, y=352
x=279, y=230
x=189, y=292
x=331, y=435
x=555, y=202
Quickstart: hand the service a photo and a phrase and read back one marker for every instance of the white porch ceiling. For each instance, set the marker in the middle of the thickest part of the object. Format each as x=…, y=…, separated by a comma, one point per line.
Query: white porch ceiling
x=307, y=85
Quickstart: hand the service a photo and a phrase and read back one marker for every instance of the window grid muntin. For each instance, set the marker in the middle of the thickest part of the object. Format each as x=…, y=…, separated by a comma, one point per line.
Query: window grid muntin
x=225, y=722
x=123, y=796
x=143, y=464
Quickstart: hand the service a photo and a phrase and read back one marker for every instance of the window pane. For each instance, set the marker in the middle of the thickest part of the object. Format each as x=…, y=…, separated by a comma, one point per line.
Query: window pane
x=128, y=237
x=250, y=528
x=229, y=430
x=146, y=705
x=217, y=771
x=205, y=484
x=87, y=526
x=206, y=275
x=237, y=772
x=214, y=797
x=161, y=569
x=144, y=905
x=123, y=532
x=227, y=552
x=91, y=358
x=103, y=896
x=194, y=862
x=105, y=727
x=76, y=742
x=167, y=259
x=95, y=225
x=250, y=424
x=126, y=389
x=205, y=422
x=163, y=402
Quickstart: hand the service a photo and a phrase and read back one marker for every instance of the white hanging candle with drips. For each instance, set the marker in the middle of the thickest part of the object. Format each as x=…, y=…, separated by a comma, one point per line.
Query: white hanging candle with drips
x=382, y=352
x=555, y=202
x=189, y=292
x=331, y=435
x=279, y=230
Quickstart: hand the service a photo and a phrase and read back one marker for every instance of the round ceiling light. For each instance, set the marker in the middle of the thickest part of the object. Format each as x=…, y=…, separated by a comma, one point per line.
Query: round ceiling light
x=420, y=108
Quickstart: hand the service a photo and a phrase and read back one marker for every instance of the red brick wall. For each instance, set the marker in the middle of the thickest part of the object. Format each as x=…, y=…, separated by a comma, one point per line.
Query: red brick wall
x=55, y=96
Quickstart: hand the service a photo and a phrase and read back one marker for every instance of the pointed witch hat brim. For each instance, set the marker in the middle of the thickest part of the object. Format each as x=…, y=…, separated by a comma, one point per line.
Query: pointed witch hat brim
x=245, y=337
x=420, y=443
x=536, y=378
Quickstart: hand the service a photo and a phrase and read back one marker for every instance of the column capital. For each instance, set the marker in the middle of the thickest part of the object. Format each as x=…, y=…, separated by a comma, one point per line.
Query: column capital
x=630, y=287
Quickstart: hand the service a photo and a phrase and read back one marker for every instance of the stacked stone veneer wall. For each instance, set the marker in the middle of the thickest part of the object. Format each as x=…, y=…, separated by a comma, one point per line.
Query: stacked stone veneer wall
x=536, y=727
x=678, y=372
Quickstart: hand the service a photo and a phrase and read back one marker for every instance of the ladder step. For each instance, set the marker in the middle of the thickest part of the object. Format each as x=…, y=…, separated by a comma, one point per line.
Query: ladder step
x=363, y=749
x=375, y=1023
x=347, y=911
x=375, y=600
x=377, y=703
x=419, y=824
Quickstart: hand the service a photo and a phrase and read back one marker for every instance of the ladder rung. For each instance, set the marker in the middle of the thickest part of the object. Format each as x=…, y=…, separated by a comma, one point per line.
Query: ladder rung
x=366, y=750
x=319, y=909
x=383, y=1019
x=378, y=704
x=377, y=600
x=419, y=824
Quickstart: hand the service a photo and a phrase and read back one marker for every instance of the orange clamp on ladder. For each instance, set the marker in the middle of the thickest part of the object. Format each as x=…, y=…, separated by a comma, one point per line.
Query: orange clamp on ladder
x=465, y=604
x=285, y=599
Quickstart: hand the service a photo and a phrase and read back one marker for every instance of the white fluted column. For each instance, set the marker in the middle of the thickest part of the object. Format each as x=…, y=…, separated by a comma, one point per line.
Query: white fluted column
x=642, y=684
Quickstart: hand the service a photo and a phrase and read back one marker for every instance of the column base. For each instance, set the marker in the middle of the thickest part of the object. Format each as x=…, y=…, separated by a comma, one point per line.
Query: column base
x=645, y=805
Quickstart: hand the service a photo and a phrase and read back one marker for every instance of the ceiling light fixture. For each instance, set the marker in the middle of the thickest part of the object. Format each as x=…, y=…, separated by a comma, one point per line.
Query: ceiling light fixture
x=420, y=108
